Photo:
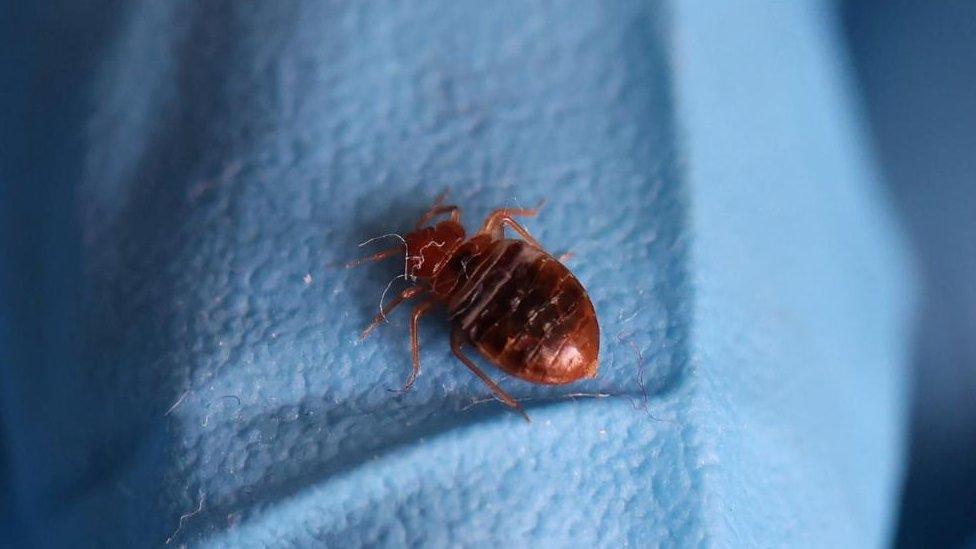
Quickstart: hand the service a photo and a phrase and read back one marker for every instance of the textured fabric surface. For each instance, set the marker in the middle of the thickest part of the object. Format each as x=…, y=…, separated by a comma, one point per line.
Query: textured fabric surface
x=703, y=166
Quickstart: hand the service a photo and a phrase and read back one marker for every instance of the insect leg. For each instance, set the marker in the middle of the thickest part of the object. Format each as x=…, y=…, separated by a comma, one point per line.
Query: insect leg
x=456, y=341
x=438, y=210
x=404, y=295
x=495, y=224
x=418, y=311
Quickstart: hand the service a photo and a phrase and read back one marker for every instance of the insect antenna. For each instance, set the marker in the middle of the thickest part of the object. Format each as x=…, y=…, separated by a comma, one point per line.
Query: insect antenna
x=381, y=255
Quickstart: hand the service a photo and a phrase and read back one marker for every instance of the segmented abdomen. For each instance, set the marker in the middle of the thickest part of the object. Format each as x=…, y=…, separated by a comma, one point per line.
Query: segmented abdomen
x=528, y=314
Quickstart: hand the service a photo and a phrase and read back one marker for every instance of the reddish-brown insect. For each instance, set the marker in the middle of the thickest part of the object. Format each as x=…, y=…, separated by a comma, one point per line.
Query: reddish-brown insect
x=517, y=305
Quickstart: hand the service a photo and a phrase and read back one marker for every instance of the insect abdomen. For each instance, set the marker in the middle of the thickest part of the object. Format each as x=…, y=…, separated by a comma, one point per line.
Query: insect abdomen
x=528, y=314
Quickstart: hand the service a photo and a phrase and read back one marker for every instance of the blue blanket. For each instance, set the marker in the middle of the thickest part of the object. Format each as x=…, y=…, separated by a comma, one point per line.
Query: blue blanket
x=180, y=358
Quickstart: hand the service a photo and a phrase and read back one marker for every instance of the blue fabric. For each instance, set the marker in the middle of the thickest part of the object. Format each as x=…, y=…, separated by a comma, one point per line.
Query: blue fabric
x=703, y=164
x=914, y=61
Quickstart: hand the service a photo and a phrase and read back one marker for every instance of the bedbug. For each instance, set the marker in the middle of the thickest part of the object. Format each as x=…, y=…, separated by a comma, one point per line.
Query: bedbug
x=520, y=307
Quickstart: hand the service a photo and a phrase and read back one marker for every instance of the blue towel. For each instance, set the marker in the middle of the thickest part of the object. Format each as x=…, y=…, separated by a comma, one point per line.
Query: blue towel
x=203, y=382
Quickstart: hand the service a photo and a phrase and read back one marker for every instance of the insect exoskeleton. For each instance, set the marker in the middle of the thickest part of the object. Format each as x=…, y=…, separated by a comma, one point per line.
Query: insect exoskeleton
x=520, y=307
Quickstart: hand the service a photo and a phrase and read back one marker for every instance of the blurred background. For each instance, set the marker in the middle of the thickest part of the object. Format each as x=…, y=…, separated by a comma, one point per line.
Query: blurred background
x=916, y=67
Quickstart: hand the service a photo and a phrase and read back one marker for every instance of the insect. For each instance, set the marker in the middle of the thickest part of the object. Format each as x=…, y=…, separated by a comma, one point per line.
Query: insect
x=521, y=308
